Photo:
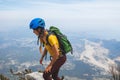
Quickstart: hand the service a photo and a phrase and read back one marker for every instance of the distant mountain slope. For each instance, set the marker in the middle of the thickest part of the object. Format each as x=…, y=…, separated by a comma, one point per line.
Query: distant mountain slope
x=96, y=55
x=91, y=57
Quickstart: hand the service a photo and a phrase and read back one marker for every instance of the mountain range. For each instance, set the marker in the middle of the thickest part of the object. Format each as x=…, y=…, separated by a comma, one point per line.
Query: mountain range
x=91, y=59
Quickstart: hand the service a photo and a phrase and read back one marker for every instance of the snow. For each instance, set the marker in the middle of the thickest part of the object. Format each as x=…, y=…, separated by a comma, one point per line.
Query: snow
x=96, y=55
x=34, y=76
x=26, y=65
x=38, y=76
x=117, y=59
x=68, y=66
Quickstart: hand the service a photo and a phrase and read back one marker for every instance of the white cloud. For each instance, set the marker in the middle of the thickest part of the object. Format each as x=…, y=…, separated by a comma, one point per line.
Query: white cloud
x=79, y=11
x=85, y=16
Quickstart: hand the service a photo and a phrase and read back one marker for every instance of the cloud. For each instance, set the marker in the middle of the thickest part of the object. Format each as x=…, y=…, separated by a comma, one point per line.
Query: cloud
x=85, y=16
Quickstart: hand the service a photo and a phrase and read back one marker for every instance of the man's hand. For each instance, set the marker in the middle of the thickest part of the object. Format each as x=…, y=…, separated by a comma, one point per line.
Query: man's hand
x=48, y=69
x=44, y=53
x=41, y=61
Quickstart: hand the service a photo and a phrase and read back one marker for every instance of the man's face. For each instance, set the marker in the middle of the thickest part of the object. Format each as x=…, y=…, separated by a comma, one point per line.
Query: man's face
x=36, y=32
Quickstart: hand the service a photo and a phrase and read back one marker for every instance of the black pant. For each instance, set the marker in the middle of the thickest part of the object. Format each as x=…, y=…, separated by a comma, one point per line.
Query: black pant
x=55, y=69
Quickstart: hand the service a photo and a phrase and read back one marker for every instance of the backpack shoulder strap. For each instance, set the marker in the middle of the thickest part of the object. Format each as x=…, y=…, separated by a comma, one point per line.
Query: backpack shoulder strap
x=49, y=33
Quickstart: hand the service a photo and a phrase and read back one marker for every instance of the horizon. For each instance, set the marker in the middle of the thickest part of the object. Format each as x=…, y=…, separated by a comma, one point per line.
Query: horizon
x=96, y=17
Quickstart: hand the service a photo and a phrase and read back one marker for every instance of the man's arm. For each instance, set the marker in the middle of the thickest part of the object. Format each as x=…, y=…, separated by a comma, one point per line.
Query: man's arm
x=43, y=54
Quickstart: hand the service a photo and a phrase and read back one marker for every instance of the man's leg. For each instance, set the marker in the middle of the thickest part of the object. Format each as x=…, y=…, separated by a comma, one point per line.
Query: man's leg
x=55, y=75
x=46, y=76
x=56, y=67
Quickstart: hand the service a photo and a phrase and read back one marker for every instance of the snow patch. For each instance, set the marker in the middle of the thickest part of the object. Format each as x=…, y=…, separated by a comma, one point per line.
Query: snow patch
x=96, y=55
x=26, y=65
x=39, y=76
x=34, y=76
x=117, y=59
x=68, y=66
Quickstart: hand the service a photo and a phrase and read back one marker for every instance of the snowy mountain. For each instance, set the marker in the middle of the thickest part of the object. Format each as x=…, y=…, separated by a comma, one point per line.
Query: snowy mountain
x=96, y=55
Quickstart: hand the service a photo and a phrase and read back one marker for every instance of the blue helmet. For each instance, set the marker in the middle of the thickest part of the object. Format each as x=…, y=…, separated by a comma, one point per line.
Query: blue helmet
x=37, y=23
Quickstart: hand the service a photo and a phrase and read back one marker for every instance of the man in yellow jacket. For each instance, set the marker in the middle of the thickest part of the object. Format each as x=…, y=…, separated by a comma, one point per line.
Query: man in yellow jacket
x=58, y=59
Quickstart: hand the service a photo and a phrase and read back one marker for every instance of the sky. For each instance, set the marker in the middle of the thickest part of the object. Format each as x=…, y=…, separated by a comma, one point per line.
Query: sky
x=98, y=17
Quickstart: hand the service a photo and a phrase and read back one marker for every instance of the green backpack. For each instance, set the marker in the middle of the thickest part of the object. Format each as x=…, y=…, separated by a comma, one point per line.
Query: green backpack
x=65, y=45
